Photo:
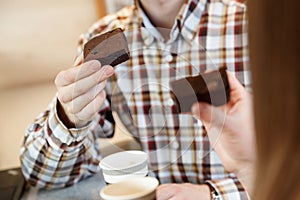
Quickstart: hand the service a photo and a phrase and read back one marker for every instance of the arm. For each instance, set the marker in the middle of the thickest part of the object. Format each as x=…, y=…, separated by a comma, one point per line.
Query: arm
x=55, y=154
x=228, y=188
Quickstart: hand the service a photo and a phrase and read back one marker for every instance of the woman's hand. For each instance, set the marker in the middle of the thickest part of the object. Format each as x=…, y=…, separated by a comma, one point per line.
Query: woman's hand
x=230, y=128
x=185, y=191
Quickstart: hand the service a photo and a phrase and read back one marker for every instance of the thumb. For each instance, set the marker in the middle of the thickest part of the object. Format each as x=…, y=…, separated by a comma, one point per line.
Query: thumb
x=210, y=116
x=234, y=84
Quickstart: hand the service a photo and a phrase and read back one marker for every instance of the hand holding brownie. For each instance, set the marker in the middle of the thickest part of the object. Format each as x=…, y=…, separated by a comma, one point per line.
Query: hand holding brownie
x=231, y=130
x=80, y=92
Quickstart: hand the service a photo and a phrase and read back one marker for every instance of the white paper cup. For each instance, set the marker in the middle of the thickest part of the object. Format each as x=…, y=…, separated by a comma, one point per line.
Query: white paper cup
x=138, y=188
x=124, y=165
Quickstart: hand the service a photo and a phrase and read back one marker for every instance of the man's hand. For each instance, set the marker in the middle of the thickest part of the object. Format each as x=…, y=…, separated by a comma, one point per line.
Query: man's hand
x=231, y=129
x=80, y=92
x=184, y=191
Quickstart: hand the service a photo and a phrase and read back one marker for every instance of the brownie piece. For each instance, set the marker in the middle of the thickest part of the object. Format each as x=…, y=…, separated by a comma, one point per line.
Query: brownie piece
x=109, y=48
x=212, y=87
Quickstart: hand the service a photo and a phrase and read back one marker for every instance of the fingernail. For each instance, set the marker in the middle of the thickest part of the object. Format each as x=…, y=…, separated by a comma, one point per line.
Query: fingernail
x=95, y=64
x=108, y=70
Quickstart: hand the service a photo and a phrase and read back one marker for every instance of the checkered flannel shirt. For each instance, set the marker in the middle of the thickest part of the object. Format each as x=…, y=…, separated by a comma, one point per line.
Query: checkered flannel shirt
x=206, y=35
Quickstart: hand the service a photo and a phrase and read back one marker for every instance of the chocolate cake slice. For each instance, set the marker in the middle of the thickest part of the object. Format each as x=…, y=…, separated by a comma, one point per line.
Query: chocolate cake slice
x=109, y=48
x=212, y=87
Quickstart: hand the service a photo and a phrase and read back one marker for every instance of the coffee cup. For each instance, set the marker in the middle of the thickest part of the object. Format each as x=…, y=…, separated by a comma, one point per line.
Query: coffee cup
x=124, y=165
x=134, y=188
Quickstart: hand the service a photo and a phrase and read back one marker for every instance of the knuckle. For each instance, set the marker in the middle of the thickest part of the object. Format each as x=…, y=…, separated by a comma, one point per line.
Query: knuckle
x=102, y=76
x=78, y=89
x=68, y=76
x=71, y=109
x=92, y=108
x=95, y=78
x=99, y=99
x=83, y=116
x=57, y=78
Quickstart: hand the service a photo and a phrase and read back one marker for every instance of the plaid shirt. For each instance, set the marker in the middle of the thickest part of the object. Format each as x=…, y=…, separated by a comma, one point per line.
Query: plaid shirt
x=206, y=35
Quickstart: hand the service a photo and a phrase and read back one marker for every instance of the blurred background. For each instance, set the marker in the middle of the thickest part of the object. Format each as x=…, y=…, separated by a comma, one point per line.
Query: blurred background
x=37, y=40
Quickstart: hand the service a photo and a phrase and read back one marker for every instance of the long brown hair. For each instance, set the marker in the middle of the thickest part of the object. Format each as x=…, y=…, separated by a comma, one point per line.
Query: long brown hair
x=274, y=28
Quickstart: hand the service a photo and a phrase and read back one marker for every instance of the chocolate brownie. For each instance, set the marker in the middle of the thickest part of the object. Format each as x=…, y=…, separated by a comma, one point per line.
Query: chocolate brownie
x=109, y=48
x=212, y=87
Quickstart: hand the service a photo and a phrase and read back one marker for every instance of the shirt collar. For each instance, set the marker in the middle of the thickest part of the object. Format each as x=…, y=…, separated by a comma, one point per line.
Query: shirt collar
x=191, y=17
x=146, y=23
x=186, y=24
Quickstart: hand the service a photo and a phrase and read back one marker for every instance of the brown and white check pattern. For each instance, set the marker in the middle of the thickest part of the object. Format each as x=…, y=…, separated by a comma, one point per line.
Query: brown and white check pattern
x=206, y=35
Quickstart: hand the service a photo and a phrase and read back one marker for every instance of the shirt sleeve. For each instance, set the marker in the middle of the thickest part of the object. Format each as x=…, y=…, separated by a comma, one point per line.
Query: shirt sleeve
x=54, y=156
x=229, y=189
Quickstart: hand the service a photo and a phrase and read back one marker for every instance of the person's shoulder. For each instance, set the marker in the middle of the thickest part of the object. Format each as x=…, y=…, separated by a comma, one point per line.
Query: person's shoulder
x=120, y=19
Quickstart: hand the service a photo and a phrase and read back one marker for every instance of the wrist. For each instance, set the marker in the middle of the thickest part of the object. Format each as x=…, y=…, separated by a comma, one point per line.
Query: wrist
x=205, y=191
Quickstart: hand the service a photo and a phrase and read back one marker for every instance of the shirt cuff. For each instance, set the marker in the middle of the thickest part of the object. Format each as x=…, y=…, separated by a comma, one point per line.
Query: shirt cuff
x=61, y=132
x=229, y=188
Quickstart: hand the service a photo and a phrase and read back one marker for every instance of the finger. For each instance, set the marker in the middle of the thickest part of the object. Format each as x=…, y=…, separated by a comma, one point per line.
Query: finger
x=80, y=87
x=237, y=90
x=212, y=119
x=76, y=73
x=209, y=115
x=83, y=100
x=88, y=112
x=234, y=83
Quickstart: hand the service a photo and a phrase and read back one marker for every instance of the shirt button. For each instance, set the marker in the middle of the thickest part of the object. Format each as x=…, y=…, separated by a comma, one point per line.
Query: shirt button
x=148, y=40
x=168, y=58
x=175, y=145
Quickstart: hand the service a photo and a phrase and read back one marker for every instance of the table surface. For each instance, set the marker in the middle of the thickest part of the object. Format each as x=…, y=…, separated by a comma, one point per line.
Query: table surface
x=87, y=189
